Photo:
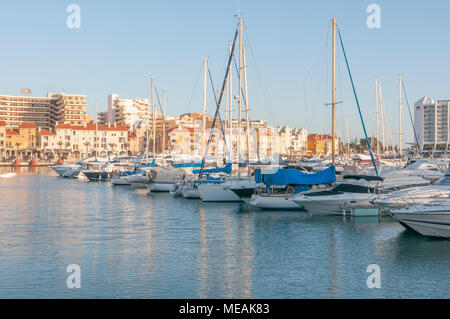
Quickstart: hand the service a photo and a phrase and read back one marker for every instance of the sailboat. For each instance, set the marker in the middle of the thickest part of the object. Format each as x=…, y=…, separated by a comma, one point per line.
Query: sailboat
x=220, y=191
x=280, y=185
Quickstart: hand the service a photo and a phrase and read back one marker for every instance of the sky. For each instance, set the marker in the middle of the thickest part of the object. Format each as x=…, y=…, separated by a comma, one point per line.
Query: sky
x=120, y=45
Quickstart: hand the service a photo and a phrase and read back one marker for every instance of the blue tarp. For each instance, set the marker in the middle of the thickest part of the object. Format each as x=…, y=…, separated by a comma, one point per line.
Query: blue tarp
x=187, y=165
x=227, y=169
x=292, y=176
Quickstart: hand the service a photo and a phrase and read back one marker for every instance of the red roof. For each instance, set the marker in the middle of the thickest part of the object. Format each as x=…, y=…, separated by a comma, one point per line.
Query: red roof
x=27, y=125
x=11, y=132
x=92, y=127
x=64, y=126
x=47, y=132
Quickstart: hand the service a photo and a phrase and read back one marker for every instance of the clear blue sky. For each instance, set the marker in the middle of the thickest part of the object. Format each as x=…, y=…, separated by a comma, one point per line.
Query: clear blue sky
x=122, y=43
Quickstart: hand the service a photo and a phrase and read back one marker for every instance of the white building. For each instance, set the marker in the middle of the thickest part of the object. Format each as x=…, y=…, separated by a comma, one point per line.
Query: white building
x=292, y=141
x=431, y=122
x=78, y=141
x=127, y=111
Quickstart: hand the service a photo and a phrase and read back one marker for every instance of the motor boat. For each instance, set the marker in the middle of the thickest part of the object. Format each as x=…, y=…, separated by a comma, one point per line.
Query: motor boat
x=430, y=219
x=342, y=198
x=98, y=172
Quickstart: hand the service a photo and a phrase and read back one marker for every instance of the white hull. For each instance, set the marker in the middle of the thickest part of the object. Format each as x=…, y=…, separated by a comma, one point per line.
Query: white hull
x=414, y=196
x=273, y=202
x=335, y=204
x=191, y=193
x=216, y=193
x=60, y=169
x=434, y=223
x=155, y=186
x=176, y=190
x=119, y=181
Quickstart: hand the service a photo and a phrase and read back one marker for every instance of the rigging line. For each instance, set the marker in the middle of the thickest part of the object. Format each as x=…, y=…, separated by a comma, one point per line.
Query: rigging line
x=220, y=120
x=195, y=87
x=258, y=74
x=164, y=120
x=245, y=102
x=357, y=102
x=410, y=117
x=200, y=175
x=315, y=61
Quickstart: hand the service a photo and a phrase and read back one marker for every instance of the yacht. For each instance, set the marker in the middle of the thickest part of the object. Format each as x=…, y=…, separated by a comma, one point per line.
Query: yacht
x=355, y=192
x=430, y=219
x=415, y=195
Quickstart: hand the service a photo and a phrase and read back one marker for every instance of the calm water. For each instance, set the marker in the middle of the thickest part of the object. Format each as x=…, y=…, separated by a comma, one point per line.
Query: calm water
x=133, y=244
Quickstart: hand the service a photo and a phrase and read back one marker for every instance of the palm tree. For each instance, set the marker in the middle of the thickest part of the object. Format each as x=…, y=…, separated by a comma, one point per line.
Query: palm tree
x=87, y=144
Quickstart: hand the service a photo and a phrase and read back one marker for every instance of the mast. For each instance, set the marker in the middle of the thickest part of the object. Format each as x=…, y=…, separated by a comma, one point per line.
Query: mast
x=154, y=120
x=205, y=66
x=333, y=135
x=382, y=117
x=378, y=120
x=400, y=115
x=240, y=93
x=247, y=117
x=230, y=108
x=164, y=128
x=96, y=124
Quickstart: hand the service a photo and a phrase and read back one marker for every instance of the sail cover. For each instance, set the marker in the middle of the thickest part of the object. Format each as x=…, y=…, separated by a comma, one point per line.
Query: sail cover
x=187, y=165
x=227, y=169
x=292, y=176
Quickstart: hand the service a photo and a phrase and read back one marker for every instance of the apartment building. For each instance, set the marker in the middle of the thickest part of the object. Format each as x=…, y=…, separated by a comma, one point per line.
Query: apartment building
x=126, y=111
x=79, y=141
x=44, y=112
x=432, y=123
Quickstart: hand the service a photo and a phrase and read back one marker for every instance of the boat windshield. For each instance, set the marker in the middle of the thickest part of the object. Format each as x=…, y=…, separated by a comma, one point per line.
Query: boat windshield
x=344, y=188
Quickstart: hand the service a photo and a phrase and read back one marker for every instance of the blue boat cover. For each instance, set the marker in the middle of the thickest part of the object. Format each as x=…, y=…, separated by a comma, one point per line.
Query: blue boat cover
x=187, y=165
x=292, y=176
x=227, y=169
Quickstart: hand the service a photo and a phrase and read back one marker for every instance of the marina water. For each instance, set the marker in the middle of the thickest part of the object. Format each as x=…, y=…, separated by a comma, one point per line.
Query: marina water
x=130, y=243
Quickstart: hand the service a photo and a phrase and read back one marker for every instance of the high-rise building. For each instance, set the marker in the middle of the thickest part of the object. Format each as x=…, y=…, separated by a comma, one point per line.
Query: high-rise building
x=432, y=123
x=44, y=112
x=127, y=111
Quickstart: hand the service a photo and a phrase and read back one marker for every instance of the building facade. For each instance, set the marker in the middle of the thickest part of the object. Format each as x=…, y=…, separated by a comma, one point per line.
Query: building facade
x=432, y=123
x=44, y=112
x=126, y=111
x=78, y=141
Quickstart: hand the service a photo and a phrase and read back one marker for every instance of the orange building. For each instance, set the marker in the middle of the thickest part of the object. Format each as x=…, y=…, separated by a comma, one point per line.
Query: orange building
x=315, y=144
x=22, y=140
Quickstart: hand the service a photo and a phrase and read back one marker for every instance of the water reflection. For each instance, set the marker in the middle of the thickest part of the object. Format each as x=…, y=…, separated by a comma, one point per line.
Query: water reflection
x=134, y=244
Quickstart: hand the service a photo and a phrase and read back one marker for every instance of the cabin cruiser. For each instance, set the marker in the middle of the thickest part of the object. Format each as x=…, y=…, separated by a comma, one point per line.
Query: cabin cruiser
x=416, y=195
x=355, y=192
x=430, y=219
x=99, y=172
